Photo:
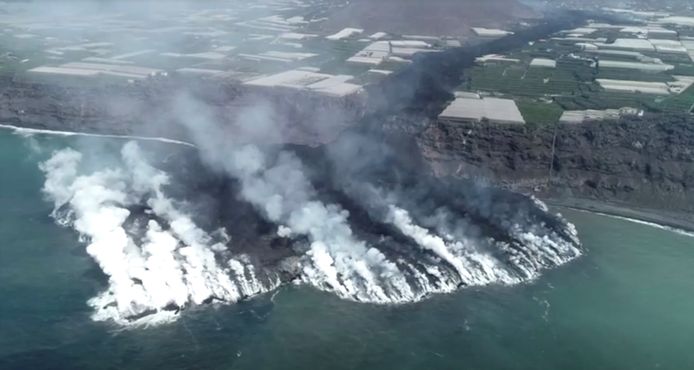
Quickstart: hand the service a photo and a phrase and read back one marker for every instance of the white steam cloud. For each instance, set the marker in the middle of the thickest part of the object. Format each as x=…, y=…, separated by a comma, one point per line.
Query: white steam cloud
x=278, y=187
x=174, y=265
x=275, y=182
x=475, y=266
x=340, y=262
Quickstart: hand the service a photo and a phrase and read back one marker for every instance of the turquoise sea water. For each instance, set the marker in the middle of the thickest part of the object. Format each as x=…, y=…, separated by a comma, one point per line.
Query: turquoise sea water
x=628, y=303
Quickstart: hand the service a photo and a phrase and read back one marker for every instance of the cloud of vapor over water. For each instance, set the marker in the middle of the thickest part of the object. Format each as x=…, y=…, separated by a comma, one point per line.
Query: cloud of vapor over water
x=150, y=279
x=281, y=187
x=477, y=234
x=389, y=238
x=358, y=222
x=275, y=182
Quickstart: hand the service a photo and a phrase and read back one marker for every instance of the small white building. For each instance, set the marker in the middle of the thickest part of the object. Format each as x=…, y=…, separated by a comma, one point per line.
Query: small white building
x=494, y=110
x=298, y=79
x=345, y=34
x=296, y=36
x=490, y=32
x=373, y=54
x=629, y=44
x=543, y=62
x=645, y=67
x=653, y=88
x=378, y=35
x=83, y=69
x=580, y=116
x=495, y=58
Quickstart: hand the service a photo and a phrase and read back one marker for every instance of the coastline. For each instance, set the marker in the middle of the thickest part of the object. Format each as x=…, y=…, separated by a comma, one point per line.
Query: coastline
x=679, y=222
x=31, y=131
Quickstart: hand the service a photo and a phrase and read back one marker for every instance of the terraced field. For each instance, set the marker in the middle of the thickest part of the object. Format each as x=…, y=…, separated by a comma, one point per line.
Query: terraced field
x=542, y=94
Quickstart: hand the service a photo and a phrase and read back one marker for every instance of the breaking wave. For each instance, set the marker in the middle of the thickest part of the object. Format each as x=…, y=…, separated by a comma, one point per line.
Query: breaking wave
x=159, y=261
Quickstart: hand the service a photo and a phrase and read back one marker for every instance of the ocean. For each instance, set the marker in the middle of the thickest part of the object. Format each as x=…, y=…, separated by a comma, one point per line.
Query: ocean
x=625, y=304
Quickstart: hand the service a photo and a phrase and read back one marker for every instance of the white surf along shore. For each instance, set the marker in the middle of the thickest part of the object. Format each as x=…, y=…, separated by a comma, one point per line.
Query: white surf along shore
x=31, y=131
x=638, y=221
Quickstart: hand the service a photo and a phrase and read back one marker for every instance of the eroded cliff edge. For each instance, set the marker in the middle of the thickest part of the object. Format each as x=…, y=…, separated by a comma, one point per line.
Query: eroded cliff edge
x=644, y=163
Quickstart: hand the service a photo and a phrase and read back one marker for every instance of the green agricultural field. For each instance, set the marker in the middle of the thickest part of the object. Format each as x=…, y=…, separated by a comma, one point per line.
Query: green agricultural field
x=633, y=75
x=332, y=55
x=538, y=112
x=683, y=102
x=571, y=85
x=522, y=80
x=684, y=69
x=593, y=97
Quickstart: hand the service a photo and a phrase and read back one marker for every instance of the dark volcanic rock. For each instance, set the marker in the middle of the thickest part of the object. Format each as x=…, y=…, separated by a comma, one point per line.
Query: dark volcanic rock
x=152, y=107
x=646, y=161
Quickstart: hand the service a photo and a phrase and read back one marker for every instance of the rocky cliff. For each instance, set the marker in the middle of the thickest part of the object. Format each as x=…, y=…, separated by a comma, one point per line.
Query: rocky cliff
x=644, y=162
x=152, y=107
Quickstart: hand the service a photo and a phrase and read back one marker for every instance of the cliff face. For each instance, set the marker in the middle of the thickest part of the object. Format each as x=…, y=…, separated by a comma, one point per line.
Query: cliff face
x=59, y=108
x=99, y=109
x=153, y=108
x=646, y=162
